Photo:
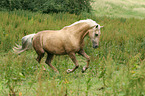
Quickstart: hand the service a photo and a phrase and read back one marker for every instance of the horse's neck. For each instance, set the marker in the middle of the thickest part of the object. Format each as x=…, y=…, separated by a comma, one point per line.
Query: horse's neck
x=80, y=32
x=79, y=29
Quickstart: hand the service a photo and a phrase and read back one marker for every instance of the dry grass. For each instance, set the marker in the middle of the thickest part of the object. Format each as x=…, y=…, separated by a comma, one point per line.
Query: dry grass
x=120, y=8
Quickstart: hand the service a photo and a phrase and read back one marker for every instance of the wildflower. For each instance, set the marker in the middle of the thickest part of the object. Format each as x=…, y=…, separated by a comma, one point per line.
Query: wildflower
x=132, y=72
x=6, y=35
x=20, y=93
x=66, y=81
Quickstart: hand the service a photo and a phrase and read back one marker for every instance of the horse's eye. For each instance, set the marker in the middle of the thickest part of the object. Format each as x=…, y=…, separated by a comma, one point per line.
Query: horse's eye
x=97, y=26
x=96, y=35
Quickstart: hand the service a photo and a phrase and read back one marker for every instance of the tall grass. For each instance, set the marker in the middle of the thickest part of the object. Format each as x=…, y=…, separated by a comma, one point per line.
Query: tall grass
x=116, y=67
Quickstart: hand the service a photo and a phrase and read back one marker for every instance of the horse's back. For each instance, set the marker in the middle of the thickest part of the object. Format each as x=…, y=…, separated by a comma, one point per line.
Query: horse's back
x=50, y=41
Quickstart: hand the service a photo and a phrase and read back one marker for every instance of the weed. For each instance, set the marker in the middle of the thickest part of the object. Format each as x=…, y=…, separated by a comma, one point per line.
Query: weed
x=116, y=67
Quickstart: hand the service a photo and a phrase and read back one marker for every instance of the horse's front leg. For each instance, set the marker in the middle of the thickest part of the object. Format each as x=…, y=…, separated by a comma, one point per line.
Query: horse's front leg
x=73, y=57
x=82, y=52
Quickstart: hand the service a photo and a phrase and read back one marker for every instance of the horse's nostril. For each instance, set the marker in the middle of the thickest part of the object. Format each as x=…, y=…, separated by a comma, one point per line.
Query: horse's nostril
x=95, y=46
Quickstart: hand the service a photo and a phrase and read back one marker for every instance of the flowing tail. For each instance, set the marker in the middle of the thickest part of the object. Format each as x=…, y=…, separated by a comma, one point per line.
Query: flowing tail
x=26, y=44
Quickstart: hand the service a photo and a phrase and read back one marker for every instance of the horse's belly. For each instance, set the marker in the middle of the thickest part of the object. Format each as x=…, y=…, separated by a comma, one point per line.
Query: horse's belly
x=58, y=52
x=61, y=50
x=55, y=50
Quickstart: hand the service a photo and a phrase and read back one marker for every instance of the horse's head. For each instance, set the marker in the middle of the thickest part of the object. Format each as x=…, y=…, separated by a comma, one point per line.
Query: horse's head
x=94, y=34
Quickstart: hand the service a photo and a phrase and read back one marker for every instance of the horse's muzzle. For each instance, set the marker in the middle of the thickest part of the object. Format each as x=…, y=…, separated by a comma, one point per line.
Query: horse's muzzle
x=95, y=46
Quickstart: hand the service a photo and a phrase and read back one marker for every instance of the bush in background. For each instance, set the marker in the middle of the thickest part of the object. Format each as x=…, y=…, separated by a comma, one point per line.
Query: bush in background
x=47, y=6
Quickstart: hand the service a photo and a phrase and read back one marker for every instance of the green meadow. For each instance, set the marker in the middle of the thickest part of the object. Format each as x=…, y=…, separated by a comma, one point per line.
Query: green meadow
x=117, y=67
x=120, y=8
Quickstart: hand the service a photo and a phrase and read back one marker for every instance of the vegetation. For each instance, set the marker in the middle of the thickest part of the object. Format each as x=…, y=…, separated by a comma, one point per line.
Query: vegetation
x=116, y=67
x=47, y=6
x=120, y=8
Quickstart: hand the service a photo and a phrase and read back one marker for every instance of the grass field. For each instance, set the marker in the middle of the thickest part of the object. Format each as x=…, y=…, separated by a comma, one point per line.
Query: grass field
x=120, y=8
x=116, y=67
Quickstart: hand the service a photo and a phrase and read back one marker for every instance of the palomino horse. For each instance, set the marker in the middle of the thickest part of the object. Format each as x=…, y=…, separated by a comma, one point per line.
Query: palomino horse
x=68, y=40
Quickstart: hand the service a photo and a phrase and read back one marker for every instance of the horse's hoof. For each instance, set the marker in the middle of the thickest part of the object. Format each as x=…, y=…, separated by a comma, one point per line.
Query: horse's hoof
x=84, y=69
x=44, y=68
x=69, y=70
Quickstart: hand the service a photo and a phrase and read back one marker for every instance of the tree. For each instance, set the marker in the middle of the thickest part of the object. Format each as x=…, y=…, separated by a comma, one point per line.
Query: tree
x=47, y=6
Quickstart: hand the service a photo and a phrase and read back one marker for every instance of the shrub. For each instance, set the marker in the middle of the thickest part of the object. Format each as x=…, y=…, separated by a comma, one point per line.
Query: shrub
x=47, y=6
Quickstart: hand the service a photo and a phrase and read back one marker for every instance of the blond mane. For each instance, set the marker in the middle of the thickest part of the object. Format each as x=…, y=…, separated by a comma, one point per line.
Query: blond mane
x=88, y=21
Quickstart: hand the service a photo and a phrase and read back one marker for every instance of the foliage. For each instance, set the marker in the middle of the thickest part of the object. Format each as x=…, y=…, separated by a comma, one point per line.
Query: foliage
x=116, y=67
x=47, y=6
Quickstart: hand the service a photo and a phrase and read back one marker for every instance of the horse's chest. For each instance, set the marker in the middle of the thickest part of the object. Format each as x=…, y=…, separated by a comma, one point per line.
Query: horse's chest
x=72, y=47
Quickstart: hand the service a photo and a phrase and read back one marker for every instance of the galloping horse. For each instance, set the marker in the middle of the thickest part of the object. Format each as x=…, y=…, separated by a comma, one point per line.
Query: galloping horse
x=69, y=40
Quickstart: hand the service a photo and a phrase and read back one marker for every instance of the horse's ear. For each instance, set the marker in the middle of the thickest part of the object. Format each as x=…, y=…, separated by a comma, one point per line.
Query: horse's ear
x=101, y=26
x=96, y=26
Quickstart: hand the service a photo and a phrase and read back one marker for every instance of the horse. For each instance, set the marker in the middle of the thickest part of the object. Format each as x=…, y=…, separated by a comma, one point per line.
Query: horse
x=66, y=41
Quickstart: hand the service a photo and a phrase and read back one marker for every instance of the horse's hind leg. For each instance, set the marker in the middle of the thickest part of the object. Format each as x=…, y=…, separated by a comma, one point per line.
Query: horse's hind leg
x=82, y=52
x=48, y=62
x=40, y=56
x=73, y=57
